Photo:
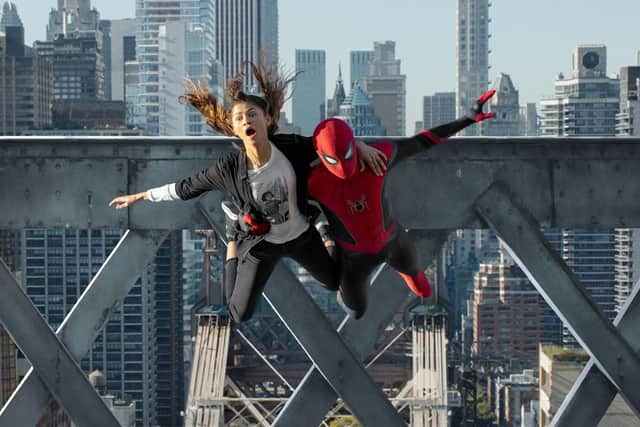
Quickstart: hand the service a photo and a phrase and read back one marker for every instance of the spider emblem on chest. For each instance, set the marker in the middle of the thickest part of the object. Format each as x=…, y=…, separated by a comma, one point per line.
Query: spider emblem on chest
x=358, y=205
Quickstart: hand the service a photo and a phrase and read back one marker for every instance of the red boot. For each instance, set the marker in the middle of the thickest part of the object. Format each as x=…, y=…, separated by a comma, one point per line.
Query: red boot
x=419, y=284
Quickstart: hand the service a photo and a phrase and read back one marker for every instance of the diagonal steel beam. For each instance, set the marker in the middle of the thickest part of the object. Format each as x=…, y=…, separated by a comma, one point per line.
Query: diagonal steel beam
x=315, y=334
x=314, y=397
x=592, y=393
x=108, y=288
x=49, y=358
x=337, y=364
x=550, y=275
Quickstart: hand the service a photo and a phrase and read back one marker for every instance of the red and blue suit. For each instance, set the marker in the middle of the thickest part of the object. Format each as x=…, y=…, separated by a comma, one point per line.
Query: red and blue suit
x=359, y=213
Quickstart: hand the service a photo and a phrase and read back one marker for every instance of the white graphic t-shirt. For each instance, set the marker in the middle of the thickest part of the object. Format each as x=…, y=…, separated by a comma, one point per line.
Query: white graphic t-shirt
x=273, y=186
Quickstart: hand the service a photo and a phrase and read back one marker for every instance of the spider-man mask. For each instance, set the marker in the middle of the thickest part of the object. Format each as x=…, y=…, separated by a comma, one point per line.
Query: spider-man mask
x=336, y=147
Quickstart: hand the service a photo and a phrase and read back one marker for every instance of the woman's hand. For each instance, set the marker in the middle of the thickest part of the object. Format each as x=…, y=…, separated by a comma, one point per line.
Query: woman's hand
x=128, y=200
x=375, y=159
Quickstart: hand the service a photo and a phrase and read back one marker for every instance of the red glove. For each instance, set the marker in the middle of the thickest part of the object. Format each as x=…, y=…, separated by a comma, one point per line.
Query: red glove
x=255, y=228
x=476, y=110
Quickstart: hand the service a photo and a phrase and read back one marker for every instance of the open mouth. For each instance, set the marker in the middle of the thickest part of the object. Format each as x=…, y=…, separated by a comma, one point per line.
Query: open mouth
x=250, y=131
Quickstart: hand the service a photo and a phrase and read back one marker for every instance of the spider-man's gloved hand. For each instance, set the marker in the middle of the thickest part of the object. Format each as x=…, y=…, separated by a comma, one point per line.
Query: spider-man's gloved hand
x=476, y=113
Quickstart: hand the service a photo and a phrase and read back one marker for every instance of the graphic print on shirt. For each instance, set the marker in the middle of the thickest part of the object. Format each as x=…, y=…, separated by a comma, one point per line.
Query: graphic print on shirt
x=274, y=201
x=358, y=205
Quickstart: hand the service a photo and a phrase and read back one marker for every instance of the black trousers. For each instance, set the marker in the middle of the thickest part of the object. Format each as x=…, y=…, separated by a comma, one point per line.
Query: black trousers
x=399, y=253
x=254, y=269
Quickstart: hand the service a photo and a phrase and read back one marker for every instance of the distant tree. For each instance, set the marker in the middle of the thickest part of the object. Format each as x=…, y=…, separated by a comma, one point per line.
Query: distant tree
x=349, y=421
x=485, y=414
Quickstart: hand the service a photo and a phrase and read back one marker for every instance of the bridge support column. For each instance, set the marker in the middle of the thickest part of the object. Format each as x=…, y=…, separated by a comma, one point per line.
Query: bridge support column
x=206, y=390
x=429, y=354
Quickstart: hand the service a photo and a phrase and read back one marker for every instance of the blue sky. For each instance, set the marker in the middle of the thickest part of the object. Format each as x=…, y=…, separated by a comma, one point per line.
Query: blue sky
x=531, y=40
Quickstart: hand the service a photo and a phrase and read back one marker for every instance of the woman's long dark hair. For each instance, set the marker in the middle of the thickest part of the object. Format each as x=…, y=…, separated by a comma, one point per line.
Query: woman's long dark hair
x=273, y=82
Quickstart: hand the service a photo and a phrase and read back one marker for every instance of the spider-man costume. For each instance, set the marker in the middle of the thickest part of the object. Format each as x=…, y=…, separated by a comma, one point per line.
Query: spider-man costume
x=357, y=208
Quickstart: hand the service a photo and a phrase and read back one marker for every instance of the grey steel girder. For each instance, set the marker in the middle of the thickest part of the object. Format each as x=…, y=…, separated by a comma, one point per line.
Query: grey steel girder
x=560, y=181
x=326, y=349
x=592, y=393
x=335, y=362
x=50, y=359
x=77, y=332
x=557, y=284
x=314, y=397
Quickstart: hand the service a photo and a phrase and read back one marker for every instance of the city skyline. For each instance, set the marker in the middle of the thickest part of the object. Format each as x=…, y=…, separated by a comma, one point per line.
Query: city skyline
x=516, y=45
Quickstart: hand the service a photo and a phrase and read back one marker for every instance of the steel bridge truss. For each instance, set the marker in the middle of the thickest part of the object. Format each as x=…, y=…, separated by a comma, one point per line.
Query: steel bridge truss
x=512, y=186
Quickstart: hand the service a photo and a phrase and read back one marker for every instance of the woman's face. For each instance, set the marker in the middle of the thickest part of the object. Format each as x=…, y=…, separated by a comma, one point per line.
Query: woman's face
x=250, y=123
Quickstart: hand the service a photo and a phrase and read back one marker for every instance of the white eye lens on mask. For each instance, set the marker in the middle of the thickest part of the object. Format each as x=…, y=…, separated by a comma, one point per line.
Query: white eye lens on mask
x=330, y=159
x=349, y=152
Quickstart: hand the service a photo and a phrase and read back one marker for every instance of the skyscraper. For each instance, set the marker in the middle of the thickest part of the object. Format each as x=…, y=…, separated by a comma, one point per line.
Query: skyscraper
x=627, y=264
x=530, y=119
x=8, y=374
x=309, y=92
x=150, y=15
x=585, y=104
x=385, y=86
x=333, y=104
x=167, y=329
x=590, y=253
x=245, y=31
x=357, y=110
x=122, y=49
x=25, y=80
x=628, y=119
x=78, y=67
x=184, y=51
x=72, y=18
x=472, y=59
x=9, y=16
x=438, y=108
x=359, y=65
x=135, y=349
x=505, y=105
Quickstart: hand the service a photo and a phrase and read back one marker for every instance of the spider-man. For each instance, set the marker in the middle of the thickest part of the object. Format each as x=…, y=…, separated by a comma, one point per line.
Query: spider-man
x=357, y=208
